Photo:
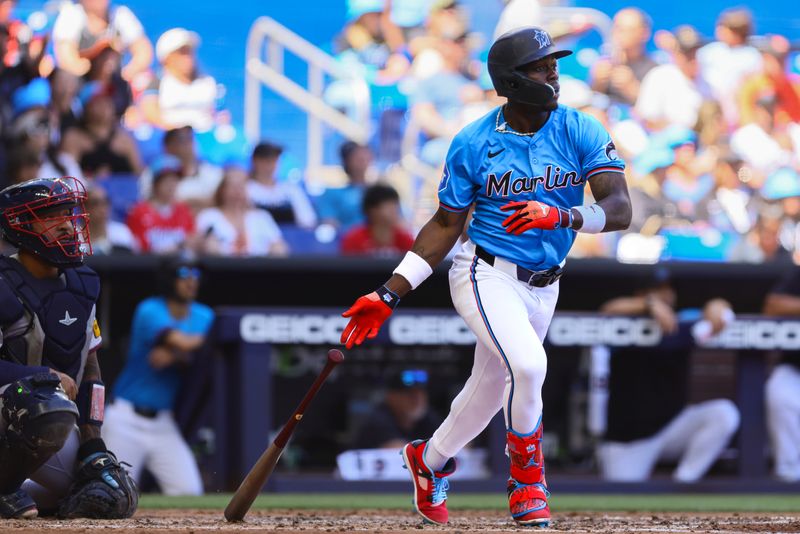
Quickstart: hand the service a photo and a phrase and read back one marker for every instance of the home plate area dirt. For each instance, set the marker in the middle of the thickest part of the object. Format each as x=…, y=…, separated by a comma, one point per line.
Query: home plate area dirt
x=392, y=521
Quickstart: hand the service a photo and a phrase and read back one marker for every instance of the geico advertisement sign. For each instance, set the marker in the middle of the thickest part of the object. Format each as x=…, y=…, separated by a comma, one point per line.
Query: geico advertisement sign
x=599, y=330
x=315, y=328
x=758, y=334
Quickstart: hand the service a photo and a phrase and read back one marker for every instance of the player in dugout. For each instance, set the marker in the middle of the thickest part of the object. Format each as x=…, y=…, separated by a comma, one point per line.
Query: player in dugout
x=525, y=166
x=53, y=460
x=166, y=333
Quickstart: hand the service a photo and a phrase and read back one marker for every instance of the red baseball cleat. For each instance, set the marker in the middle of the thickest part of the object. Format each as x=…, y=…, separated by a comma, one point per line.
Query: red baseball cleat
x=430, y=488
x=528, y=503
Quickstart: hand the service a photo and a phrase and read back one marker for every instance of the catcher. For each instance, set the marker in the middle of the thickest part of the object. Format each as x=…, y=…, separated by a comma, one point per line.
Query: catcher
x=52, y=459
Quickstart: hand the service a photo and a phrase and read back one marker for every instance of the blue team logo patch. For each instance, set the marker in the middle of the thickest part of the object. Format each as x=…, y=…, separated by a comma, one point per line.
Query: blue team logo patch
x=542, y=38
x=445, y=179
x=611, y=151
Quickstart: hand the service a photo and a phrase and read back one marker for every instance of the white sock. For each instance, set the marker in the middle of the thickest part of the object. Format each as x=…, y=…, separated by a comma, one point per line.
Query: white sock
x=433, y=458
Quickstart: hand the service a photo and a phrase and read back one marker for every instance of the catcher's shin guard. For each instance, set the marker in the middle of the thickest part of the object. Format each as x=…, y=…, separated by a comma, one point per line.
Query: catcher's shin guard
x=430, y=487
x=527, y=488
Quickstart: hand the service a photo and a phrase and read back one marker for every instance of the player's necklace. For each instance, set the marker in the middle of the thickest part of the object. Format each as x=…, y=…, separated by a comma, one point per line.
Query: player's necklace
x=504, y=128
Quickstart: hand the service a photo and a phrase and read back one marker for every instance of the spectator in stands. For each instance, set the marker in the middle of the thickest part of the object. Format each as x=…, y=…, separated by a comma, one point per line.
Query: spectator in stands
x=341, y=206
x=731, y=206
x=439, y=99
x=108, y=236
x=783, y=385
x=772, y=81
x=403, y=415
x=88, y=25
x=762, y=144
x=620, y=73
x=167, y=332
x=762, y=244
x=783, y=188
x=105, y=59
x=183, y=96
x=685, y=184
x=64, y=105
x=233, y=227
x=372, y=40
x=23, y=164
x=727, y=62
x=383, y=233
x=113, y=150
x=672, y=94
x=11, y=79
x=199, y=179
x=162, y=224
x=31, y=125
x=286, y=201
x=649, y=415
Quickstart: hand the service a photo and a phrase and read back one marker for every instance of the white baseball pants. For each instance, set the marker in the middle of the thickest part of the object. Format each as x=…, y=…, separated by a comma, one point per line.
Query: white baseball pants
x=510, y=319
x=155, y=444
x=783, y=420
x=696, y=436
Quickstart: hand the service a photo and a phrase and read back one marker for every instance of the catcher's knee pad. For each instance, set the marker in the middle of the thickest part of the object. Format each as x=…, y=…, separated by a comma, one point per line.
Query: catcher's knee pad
x=39, y=414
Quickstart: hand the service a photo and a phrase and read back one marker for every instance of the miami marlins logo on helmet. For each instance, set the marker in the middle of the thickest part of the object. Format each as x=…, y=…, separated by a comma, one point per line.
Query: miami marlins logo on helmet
x=542, y=38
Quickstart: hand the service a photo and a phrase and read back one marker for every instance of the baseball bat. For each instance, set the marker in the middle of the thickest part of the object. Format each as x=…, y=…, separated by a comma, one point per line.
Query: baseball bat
x=251, y=485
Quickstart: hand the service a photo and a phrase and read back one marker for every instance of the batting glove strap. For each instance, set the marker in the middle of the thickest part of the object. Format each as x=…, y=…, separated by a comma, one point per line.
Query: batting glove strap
x=388, y=297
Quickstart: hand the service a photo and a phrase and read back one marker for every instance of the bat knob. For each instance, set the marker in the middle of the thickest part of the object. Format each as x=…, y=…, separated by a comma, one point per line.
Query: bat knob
x=335, y=356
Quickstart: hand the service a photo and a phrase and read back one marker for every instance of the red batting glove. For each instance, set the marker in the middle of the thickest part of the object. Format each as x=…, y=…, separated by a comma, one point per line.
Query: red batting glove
x=366, y=317
x=535, y=214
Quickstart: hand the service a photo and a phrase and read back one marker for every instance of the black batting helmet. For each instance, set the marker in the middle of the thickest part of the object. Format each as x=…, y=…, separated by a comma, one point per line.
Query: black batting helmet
x=34, y=217
x=511, y=51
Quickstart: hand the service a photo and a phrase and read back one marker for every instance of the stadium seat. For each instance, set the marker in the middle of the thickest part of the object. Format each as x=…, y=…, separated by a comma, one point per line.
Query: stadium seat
x=123, y=193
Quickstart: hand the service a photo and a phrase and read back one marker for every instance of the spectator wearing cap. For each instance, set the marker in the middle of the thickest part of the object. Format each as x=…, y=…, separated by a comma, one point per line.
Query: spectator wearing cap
x=671, y=94
x=113, y=150
x=162, y=224
x=199, y=178
x=84, y=27
x=233, y=227
x=403, y=415
x=772, y=81
x=728, y=61
x=286, y=201
x=341, y=206
x=383, y=233
x=649, y=417
x=183, y=96
x=108, y=236
x=685, y=184
x=782, y=187
x=620, y=73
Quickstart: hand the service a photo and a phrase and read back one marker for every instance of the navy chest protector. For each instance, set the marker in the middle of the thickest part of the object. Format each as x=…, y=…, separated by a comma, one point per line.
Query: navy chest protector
x=62, y=305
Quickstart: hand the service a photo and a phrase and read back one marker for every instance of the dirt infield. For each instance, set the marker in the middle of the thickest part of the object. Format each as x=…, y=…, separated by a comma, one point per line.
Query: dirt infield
x=289, y=522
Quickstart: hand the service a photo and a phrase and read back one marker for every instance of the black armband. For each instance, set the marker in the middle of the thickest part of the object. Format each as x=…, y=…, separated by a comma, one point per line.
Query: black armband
x=91, y=403
x=388, y=297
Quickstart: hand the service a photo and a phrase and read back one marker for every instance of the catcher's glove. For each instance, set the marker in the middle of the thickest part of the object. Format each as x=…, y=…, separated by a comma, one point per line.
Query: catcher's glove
x=102, y=490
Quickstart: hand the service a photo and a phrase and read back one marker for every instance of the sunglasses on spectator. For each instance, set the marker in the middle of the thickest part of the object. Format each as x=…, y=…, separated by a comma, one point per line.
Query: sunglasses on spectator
x=188, y=272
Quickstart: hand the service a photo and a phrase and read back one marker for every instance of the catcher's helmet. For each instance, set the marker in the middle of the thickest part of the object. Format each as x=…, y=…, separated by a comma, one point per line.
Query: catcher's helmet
x=47, y=216
x=511, y=51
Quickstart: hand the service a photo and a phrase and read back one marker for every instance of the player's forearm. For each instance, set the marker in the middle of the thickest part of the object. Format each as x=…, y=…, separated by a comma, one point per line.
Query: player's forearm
x=183, y=342
x=611, y=194
x=779, y=304
x=91, y=372
x=433, y=242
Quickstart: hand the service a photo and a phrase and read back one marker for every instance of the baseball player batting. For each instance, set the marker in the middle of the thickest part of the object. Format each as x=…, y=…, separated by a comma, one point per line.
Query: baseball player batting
x=524, y=167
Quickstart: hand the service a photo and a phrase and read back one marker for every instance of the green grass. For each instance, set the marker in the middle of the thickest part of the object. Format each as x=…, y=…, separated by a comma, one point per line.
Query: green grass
x=497, y=501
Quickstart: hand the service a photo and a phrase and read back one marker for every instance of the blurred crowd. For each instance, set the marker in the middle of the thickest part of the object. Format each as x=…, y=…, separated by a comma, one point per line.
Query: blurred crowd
x=708, y=125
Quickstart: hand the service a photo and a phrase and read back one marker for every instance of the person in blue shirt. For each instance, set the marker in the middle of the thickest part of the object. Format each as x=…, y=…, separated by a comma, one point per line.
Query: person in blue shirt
x=167, y=331
x=524, y=166
x=341, y=206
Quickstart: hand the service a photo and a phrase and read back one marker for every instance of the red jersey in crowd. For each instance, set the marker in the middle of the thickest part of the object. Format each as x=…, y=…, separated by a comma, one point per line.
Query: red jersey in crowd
x=359, y=241
x=160, y=230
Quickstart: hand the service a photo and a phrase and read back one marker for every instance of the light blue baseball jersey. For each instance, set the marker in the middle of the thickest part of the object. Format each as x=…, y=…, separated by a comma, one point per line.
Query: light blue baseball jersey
x=139, y=382
x=490, y=164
